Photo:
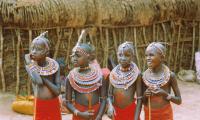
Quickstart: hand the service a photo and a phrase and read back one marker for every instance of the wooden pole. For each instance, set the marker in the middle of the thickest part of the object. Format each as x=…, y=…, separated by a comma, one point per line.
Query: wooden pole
x=154, y=32
x=199, y=38
x=91, y=38
x=157, y=32
x=29, y=80
x=149, y=105
x=177, y=46
x=18, y=61
x=68, y=46
x=90, y=101
x=182, y=48
x=193, y=44
x=136, y=51
x=1, y=60
x=165, y=33
x=13, y=41
x=106, y=49
x=102, y=44
x=95, y=39
x=14, y=50
x=125, y=34
x=145, y=41
x=115, y=40
x=171, y=42
x=57, y=43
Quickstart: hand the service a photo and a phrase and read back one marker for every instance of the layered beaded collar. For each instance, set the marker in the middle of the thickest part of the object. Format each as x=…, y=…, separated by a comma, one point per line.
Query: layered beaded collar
x=155, y=82
x=51, y=67
x=85, y=82
x=124, y=79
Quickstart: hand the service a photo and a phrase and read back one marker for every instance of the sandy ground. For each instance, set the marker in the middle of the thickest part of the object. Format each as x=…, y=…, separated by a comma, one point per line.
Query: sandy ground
x=189, y=109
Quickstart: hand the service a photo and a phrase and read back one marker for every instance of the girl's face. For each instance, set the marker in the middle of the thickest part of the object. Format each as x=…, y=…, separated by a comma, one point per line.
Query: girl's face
x=124, y=57
x=79, y=60
x=154, y=59
x=38, y=50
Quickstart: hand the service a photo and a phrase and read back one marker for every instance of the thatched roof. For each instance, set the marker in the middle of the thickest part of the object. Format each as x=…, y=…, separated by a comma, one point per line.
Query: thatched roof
x=79, y=13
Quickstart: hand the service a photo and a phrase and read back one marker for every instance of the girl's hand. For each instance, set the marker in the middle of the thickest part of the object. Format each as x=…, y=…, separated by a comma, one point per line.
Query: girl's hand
x=147, y=93
x=160, y=92
x=87, y=114
x=111, y=111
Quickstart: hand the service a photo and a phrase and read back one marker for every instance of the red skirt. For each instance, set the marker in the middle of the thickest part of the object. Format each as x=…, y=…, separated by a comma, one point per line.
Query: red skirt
x=47, y=109
x=164, y=113
x=82, y=108
x=126, y=113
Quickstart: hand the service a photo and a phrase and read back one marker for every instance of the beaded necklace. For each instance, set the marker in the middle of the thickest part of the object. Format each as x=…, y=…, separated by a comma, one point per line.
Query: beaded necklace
x=121, y=79
x=156, y=82
x=85, y=82
x=51, y=67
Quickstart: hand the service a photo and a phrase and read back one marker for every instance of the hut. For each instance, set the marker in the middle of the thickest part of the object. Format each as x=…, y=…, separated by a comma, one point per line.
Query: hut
x=175, y=22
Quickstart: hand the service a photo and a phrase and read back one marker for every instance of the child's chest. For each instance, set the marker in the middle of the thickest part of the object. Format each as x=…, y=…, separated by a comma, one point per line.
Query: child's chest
x=124, y=92
x=50, y=78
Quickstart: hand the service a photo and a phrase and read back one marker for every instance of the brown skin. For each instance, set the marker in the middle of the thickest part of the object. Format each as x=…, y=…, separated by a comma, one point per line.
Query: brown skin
x=158, y=96
x=45, y=87
x=82, y=98
x=123, y=98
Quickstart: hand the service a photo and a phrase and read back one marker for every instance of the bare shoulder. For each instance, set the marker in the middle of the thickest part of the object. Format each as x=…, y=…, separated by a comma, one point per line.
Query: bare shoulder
x=172, y=75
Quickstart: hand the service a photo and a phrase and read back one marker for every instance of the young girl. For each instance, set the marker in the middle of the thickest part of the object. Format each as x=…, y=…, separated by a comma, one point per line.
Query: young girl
x=158, y=81
x=125, y=81
x=45, y=76
x=88, y=86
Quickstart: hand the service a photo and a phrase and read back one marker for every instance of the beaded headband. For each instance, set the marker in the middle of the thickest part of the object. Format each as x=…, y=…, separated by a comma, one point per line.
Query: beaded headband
x=81, y=50
x=77, y=47
x=155, y=45
x=128, y=45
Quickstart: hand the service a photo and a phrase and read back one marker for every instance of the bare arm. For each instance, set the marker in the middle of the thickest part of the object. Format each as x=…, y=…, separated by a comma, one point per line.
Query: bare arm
x=111, y=110
x=68, y=97
x=35, y=77
x=69, y=104
x=177, y=98
x=110, y=94
x=55, y=88
x=103, y=100
x=139, y=97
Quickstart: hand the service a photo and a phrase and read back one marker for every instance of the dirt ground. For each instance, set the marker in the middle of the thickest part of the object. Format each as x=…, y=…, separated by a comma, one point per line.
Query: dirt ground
x=189, y=109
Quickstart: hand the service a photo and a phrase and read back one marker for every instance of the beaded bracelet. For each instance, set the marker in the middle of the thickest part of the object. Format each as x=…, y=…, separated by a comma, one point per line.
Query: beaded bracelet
x=140, y=97
x=169, y=97
x=76, y=112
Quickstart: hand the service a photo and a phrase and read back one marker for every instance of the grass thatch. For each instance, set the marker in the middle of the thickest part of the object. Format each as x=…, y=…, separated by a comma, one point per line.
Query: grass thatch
x=79, y=13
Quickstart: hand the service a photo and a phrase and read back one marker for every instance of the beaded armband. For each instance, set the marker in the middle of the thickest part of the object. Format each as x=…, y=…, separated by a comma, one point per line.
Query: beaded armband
x=66, y=101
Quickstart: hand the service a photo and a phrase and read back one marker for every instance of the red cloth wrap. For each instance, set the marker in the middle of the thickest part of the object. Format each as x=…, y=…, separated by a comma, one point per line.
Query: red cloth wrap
x=82, y=108
x=164, y=113
x=47, y=109
x=126, y=113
